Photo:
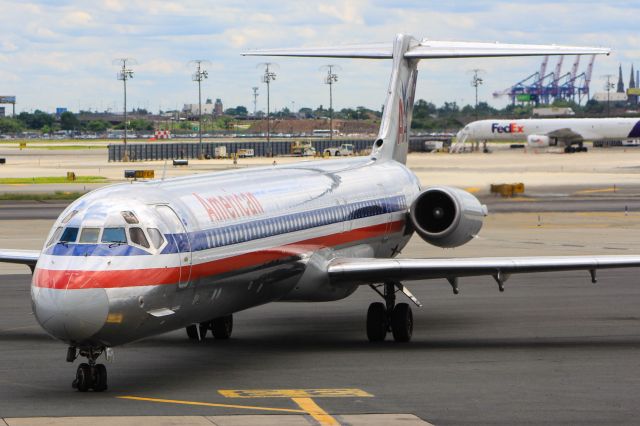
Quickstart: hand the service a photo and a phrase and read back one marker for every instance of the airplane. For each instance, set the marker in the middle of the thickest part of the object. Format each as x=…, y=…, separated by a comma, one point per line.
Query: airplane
x=129, y=261
x=545, y=132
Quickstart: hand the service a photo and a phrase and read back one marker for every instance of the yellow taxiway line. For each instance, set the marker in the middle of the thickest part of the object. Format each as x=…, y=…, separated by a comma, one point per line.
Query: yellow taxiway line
x=211, y=404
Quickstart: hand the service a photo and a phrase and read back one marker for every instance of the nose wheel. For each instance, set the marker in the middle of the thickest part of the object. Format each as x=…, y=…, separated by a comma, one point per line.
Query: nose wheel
x=383, y=318
x=89, y=375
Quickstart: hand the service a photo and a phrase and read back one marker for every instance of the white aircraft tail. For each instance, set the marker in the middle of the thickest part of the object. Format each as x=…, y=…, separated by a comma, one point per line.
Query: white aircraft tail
x=392, y=142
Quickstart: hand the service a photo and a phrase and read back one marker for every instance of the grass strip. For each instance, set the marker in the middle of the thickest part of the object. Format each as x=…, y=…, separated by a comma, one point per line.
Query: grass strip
x=50, y=196
x=52, y=179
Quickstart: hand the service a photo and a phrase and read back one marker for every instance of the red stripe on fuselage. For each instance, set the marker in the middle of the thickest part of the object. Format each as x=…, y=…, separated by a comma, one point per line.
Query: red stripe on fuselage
x=79, y=279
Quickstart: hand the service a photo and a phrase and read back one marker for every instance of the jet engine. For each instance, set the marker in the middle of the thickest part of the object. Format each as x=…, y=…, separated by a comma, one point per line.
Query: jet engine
x=447, y=217
x=538, y=140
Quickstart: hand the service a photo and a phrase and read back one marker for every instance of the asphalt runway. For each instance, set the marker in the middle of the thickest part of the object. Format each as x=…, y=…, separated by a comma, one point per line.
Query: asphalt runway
x=552, y=348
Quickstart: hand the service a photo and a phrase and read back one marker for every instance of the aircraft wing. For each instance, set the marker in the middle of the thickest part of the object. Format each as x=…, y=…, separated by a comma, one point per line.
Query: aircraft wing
x=566, y=134
x=23, y=257
x=373, y=270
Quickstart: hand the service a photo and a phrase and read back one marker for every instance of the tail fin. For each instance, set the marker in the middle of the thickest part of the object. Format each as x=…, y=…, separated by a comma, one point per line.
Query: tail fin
x=393, y=137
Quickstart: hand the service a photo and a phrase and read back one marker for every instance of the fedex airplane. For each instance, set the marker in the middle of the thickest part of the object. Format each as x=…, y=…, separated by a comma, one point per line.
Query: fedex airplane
x=544, y=132
x=127, y=262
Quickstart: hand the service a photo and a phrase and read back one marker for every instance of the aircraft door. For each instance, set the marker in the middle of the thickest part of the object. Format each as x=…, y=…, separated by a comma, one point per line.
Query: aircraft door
x=180, y=239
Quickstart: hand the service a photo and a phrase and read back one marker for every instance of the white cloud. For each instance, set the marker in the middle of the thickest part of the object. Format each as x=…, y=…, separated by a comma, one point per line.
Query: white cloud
x=75, y=41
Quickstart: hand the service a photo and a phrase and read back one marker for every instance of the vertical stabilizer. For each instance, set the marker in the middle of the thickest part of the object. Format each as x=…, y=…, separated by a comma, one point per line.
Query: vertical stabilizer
x=393, y=137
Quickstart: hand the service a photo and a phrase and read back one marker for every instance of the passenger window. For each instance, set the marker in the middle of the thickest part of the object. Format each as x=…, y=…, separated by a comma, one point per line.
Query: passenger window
x=137, y=237
x=89, y=235
x=114, y=235
x=156, y=237
x=69, y=235
x=55, y=236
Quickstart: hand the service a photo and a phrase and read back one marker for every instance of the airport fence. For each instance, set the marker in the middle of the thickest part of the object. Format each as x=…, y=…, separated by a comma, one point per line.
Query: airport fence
x=188, y=150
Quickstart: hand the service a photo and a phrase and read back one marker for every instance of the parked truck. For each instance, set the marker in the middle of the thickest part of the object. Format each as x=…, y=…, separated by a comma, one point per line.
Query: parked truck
x=342, y=150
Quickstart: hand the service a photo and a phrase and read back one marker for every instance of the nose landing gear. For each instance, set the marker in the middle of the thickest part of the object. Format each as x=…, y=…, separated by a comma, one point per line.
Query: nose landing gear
x=89, y=376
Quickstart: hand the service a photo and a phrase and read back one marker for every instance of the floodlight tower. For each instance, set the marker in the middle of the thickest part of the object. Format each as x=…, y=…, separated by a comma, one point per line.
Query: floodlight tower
x=125, y=74
x=608, y=86
x=267, y=78
x=475, y=82
x=198, y=76
x=330, y=79
x=255, y=100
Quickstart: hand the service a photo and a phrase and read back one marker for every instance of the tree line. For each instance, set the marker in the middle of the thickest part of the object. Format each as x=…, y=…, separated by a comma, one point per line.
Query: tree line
x=426, y=116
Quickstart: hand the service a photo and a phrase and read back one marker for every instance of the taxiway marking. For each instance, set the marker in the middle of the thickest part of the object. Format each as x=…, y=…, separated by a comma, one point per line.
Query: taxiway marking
x=293, y=393
x=212, y=404
x=314, y=410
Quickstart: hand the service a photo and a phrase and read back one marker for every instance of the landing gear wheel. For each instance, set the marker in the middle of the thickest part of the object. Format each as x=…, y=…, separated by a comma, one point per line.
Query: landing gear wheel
x=222, y=327
x=83, y=378
x=203, y=327
x=192, y=332
x=377, y=322
x=402, y=323
x=99, y=378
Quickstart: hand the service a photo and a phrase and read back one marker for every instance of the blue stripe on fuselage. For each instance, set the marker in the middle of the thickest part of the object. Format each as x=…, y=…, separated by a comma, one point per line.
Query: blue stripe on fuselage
x=73, y=249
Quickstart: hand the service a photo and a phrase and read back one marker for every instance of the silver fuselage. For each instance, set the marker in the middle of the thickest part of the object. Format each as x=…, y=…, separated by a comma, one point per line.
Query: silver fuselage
x=231, y=240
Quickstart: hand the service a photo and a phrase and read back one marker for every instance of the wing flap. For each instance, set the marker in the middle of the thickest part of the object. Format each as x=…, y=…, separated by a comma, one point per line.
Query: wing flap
x=367, y=271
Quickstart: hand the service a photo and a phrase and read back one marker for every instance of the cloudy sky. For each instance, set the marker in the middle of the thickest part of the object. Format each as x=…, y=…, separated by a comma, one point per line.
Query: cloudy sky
x=61, y=52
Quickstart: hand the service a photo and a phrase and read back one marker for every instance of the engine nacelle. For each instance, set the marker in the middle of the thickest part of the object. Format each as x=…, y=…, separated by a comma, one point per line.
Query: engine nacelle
x=447, y=217
x=538, y=140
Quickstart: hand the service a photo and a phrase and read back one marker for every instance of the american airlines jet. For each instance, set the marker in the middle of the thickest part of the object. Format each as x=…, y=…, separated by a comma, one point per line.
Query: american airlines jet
x=544, y=132
x=127, y=262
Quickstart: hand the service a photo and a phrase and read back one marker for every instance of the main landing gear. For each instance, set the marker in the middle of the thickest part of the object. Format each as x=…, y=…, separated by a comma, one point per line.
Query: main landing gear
x=221, y=328
x=89, y=376
x=385, y=317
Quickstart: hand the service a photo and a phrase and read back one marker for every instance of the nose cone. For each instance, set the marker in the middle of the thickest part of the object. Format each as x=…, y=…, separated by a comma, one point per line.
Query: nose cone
x=72, y=316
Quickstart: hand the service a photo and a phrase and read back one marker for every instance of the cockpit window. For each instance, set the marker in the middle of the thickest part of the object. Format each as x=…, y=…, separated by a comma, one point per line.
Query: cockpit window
x=89, y=235
x=69, y=235
x=137, y=237
x=68, y=217
x=114, y=235
x=156, y=237
x=129, y=217
x=55, y=236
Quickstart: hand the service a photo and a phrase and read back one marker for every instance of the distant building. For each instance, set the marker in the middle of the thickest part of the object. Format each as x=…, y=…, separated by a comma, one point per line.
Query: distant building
x=620, y=88
x=632, y=90
x=192, y=109
x=218, y=108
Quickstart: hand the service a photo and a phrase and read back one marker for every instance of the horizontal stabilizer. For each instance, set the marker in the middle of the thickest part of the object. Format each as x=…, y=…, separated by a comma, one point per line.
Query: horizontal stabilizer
x=432, y=49
x=367, y=51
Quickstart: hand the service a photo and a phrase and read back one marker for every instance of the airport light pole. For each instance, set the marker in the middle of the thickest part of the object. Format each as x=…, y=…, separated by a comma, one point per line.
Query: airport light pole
x=125, y=74
x=267, y=78
x=475, y=82
x=330, y=79
x=198, y=76
x=608, y=86
x=255, y=100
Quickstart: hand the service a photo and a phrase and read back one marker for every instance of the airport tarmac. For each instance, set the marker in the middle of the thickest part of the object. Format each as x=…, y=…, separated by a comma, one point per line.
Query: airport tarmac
x=553, y=348
x=600, y=169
